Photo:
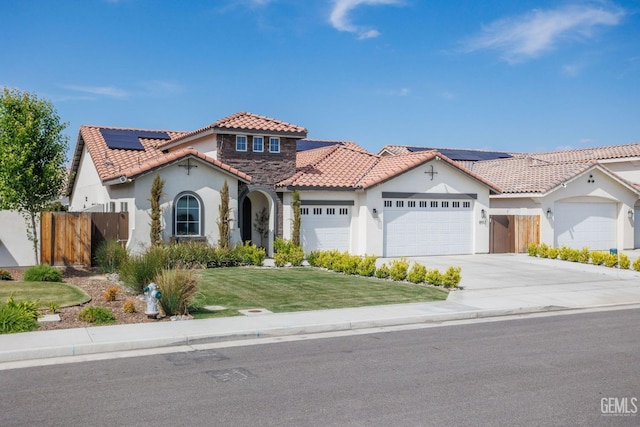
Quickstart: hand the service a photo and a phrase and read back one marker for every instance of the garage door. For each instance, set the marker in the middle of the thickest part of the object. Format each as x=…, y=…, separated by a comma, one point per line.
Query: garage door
x=427, y=227
x=585, y=224
x=325, y=228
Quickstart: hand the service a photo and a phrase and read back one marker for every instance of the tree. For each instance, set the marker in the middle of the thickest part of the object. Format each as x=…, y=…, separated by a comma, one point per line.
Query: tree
x=224, y=217
x=32, y=157
x=262, y=225
x=295, y=233
x=156, y=226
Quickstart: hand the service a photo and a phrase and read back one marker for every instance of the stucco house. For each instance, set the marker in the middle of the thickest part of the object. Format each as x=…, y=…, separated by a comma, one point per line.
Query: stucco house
x=413, y=204
x=584, y=197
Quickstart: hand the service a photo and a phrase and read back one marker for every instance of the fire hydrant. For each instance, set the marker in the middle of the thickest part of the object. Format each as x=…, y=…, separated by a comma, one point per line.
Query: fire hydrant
x=152, y=295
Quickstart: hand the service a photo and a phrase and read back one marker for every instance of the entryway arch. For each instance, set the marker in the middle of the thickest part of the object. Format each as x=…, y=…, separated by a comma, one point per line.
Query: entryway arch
x=258, y=213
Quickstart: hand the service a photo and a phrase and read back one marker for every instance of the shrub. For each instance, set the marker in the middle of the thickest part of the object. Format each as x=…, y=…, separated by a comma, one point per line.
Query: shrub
x=434, y=277
x=286, y=252
x=313, y=257
x=42, y=273
x=532, y=249
x=575, y=255
x=111, y=293
x=109, y=255
x=382, y=272
x=280, y=259
x=552, y=253
x=129, y=306
x=18, y=317
x=53, y=307
x=348, y=264
x=253, y=255
x=178, y=288
x=565, y=253
x=624, y=262
x=452, y=277
x=326, y=259
x=5, y=275
x=188, y=254
x=367, y=267
x=610, y=260
x=584, y=255
x=139, y=270
x=543, y=250
x=636, y=264
x=96, y=315
x=226, y=257
x=417, y=273
x=597, y=258
x=398, y=269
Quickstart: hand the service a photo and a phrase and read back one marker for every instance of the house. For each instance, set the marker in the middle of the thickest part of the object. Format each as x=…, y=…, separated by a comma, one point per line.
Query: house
x=586, y=197
x=415, y=204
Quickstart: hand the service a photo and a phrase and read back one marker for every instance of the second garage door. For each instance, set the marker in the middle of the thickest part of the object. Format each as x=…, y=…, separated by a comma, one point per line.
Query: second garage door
x=427, y=227
x=585, y=224
x=325, y=228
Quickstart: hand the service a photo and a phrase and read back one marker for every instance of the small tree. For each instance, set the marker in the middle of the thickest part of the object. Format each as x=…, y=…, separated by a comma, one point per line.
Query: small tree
x=262, y=225
x=156, y=225
x=295, y=233
x=224, y=217
x=32, y=157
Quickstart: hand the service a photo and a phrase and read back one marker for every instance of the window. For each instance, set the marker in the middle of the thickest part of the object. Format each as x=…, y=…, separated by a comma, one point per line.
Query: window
x=411, y=204
x=111, y=207
x=274, y=145
x=423, y=204
x=445, y=204
x=466, y=204
x=331, y=211
x=344, y=211
x=124, y=207
x=187, y=216
x=387, y=203
x=455, y=204
x=399, y=204
x=434, y=204
x=304, y=211
x=241, y=143
x=258, y=144
x=317, y=211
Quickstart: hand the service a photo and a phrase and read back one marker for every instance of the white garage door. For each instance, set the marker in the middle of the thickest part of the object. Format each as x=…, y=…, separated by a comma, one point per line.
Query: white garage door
x=325, y=228
x=585, y=224
x=427, y=227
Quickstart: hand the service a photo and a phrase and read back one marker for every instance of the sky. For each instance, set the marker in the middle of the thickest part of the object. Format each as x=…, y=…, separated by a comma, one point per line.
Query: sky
x=518, y=76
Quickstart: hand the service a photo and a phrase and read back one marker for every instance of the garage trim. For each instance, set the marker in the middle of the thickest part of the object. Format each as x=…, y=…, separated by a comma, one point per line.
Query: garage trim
x=446, y=196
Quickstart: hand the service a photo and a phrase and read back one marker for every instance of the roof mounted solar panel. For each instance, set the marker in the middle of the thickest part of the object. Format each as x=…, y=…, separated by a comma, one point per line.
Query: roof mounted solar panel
x=121, y=139
x=305, y=144
x=150, y=134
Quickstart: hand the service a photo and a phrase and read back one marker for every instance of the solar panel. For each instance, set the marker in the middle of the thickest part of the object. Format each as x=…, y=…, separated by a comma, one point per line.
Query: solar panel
x=127, y=139
x=305, y=144
x=469, y=155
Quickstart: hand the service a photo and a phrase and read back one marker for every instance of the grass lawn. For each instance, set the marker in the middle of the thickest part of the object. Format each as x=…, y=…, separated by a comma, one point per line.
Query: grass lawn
x=298, y=289
x=62, y=294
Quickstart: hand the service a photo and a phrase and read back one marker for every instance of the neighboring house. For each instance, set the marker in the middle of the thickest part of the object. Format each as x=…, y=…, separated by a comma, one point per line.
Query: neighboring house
x=587, y=197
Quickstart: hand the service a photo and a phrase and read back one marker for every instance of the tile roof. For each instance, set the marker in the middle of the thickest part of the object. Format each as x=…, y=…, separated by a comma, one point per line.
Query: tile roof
x=595, y=153
x=339, y=166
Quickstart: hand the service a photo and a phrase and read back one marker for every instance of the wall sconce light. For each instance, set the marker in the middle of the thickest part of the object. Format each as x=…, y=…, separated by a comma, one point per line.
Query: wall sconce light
x=483, y=214
x=630, y=214
x=375, y=211
x=549, y=213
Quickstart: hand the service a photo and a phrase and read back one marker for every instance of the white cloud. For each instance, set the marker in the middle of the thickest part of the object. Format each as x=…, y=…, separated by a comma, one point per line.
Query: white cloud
x=109, y=91
x=530, y=35
x=341, y=21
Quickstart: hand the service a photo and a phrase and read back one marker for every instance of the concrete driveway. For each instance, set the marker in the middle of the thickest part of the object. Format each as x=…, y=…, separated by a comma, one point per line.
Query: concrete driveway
x=512, y=281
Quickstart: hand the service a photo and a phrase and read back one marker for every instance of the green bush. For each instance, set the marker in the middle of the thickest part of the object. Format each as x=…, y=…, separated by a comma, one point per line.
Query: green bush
x=138, y=271
x=435, y=277
x=584, y=255
x=610, y=260
x=253, y=255
x=452, y=277
x=5, y=275
x=553, y=253
x=398, y=269
x=367, y=267
x=313, y=257
x=636, y=264
x=280, y=259
x=347, y=264
x=598, y=258
x=42, y=273
x=382, y=272
x=18, y=317
x=624, y=262
x=96, y=315
x=286, y=252
x=565, y=253
x=178, y=288
x=226, y=257
x=532, y=249
x=543, y=250
x=109, y=255
x=417, y=273
x=326, y=259
x=187, y=254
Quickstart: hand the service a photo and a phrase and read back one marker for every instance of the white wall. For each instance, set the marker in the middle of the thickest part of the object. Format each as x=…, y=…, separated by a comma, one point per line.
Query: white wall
x=16, y=250
x=88, y=190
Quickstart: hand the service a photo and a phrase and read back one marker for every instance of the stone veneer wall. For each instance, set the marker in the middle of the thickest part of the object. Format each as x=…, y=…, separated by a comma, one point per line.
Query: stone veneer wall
x=266, y=169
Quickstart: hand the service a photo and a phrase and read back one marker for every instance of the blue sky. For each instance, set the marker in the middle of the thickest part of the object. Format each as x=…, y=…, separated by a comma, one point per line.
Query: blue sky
x=521, y=76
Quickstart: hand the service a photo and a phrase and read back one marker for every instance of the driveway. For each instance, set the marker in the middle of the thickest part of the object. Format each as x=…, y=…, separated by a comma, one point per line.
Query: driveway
x=512, y=281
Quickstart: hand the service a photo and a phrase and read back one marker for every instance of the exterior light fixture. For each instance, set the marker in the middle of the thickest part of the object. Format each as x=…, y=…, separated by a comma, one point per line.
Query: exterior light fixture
x=483, y=214
x=549, y=213
x=630, y=214
x=375, y=211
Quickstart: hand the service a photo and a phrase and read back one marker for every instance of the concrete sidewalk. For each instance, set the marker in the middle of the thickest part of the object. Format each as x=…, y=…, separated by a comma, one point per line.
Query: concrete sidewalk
x=494, y=285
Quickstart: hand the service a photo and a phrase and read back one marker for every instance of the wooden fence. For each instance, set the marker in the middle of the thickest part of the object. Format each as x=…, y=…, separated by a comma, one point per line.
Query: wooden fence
x=513, y=233
x=71, y=238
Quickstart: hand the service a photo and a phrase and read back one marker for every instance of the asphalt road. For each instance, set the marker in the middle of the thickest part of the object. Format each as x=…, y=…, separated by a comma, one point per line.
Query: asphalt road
x=551, y=371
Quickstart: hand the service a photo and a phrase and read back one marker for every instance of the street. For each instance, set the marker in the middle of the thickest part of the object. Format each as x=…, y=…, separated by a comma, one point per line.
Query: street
x=578, y=369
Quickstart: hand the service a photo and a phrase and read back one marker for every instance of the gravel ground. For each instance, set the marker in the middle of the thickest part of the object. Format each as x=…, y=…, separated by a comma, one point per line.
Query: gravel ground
x=95, y=284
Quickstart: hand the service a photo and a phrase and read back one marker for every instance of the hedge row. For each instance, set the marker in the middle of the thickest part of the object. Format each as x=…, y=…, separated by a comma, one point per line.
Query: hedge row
x=397, y=270
x=584, y=256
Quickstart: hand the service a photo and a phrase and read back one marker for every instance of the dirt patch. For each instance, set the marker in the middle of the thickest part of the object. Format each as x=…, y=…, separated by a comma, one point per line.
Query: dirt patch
x=95, y=284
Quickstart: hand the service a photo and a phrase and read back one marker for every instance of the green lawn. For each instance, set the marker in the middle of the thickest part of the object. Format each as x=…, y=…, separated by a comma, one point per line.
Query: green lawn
x=298, y=289
x=62, y=294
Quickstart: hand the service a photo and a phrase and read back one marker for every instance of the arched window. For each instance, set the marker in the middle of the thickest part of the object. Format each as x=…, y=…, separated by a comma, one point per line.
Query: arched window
x=187, y=216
